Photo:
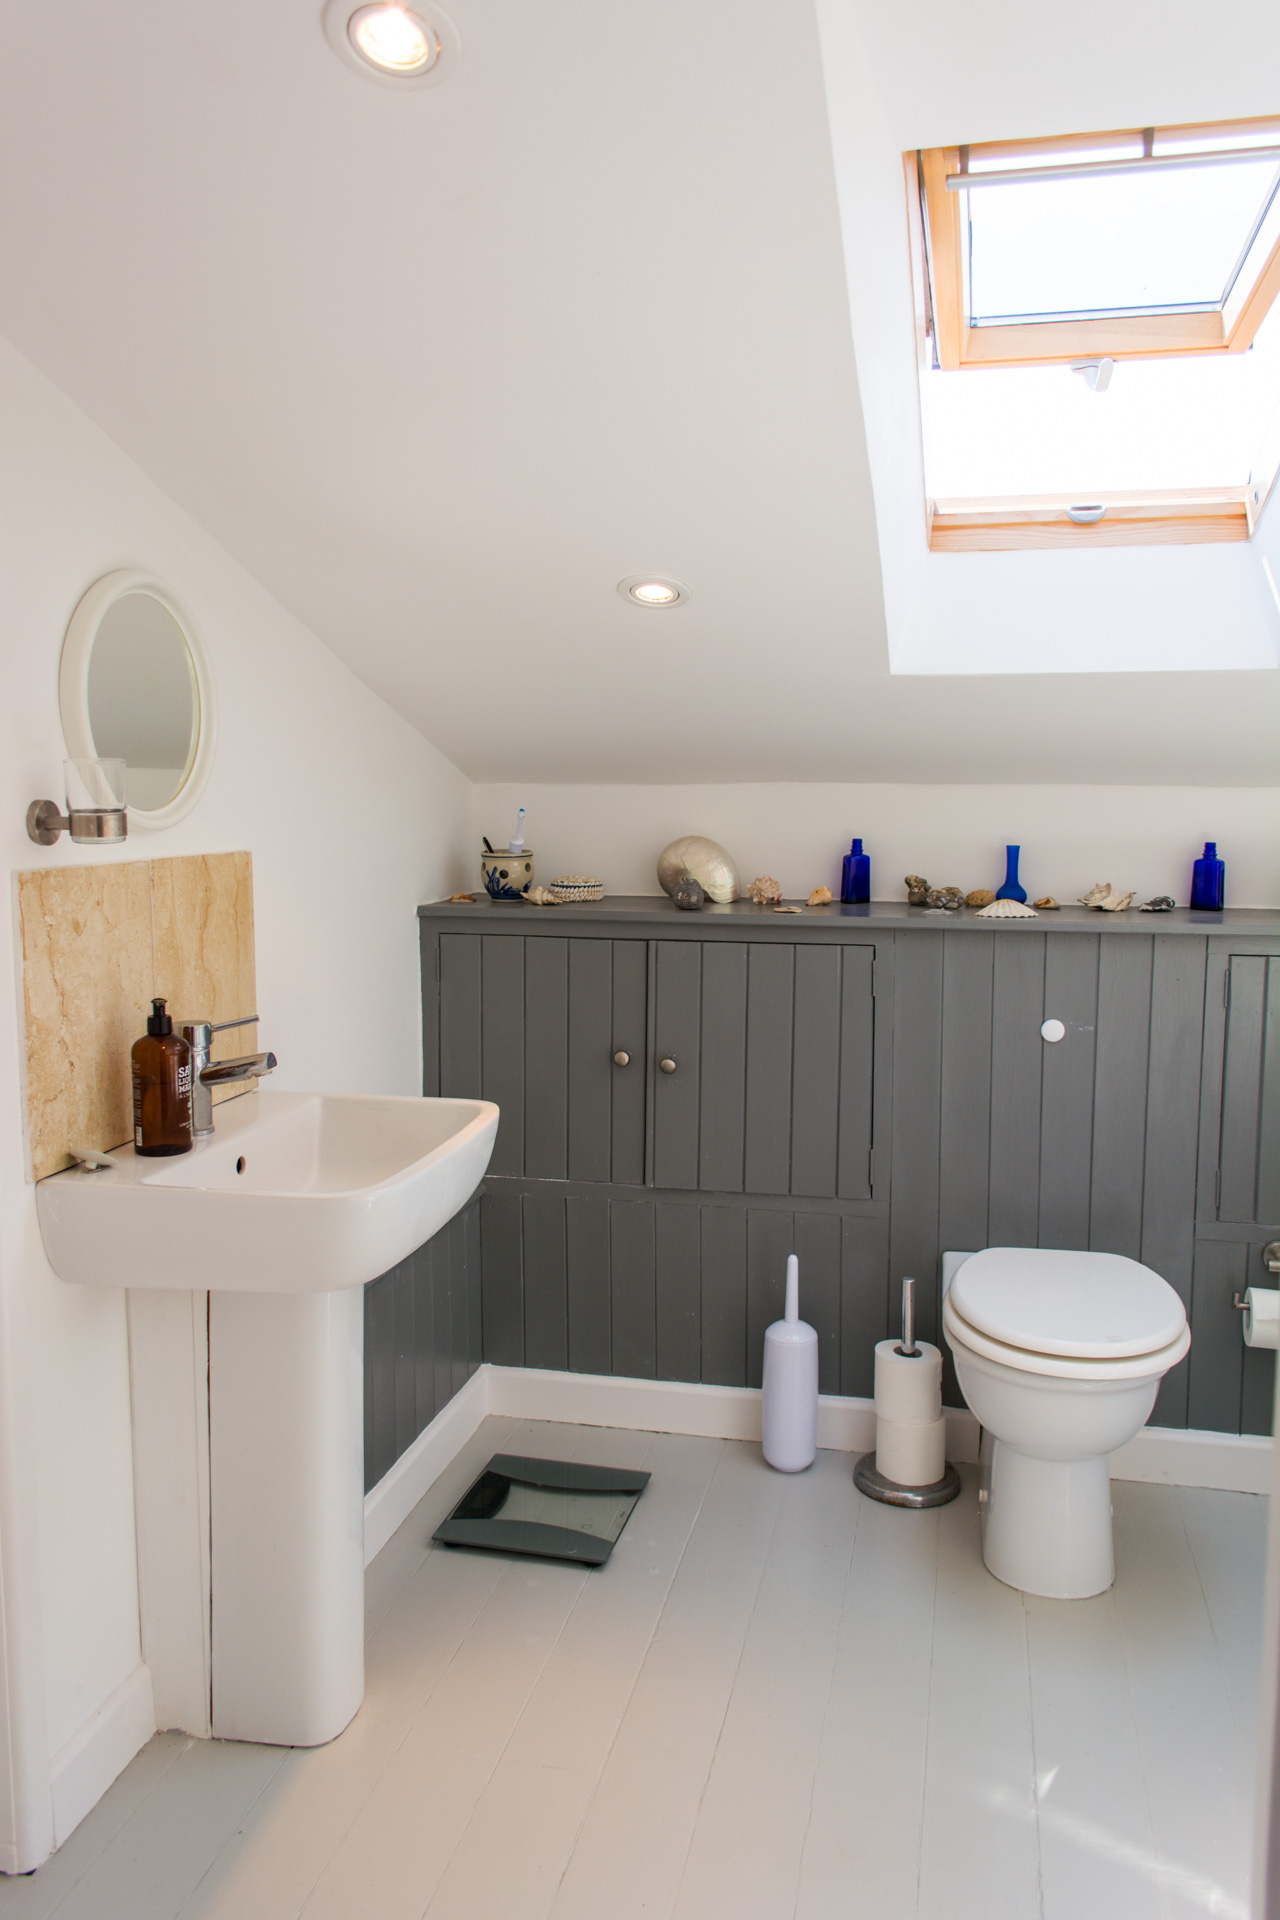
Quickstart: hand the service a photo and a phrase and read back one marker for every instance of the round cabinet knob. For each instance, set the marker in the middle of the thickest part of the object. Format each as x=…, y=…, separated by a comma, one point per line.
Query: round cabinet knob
x=1053, y=1030
x=668, y=1066
x=622, y=1059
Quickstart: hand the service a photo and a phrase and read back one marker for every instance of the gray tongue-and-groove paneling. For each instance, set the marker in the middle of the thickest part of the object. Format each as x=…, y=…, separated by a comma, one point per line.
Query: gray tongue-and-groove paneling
x=663, y=1253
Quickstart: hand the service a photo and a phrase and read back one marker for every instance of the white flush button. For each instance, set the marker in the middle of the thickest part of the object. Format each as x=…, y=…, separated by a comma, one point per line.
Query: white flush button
x=1053, y=1030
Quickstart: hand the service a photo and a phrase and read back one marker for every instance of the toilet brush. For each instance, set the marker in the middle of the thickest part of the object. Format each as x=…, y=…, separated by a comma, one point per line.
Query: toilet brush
x=789, y=1407
x=909, y=1466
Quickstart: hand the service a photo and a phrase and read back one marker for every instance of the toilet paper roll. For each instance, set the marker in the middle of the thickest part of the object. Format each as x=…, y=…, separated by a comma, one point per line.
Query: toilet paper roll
x=908, y=1389
x=914, y=1454
x=1261, y=1317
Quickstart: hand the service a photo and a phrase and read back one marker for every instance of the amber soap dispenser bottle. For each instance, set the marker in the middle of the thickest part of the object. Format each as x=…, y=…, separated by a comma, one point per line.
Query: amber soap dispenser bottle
x=161, y=1087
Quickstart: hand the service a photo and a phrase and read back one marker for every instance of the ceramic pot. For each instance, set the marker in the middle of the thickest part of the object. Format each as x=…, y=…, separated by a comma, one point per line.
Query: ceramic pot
x=506, y=875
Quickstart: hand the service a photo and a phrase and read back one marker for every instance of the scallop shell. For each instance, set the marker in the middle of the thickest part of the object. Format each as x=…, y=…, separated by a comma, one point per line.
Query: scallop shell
x=708, y=863
x=1006, y=910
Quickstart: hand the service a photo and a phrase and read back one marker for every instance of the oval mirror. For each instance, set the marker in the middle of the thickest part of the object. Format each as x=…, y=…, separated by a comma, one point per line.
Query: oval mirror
x=135, y=685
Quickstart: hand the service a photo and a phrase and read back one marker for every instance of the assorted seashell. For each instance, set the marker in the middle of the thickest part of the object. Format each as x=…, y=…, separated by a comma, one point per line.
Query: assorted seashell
x=917, y=889
x=539, y=897
x=980, y=897
x=948, y=899
x=1162, y=903
x=1006, y=910
x=1104, y=896
x=788, y=909
x=687, y=893
x=820, y=897
x=1048, y=904
x=706, y=860
x=456, y=899
x=764, y=890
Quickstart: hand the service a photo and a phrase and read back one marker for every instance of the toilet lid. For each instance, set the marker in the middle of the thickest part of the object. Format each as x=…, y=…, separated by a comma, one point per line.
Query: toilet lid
x=1094, y=1306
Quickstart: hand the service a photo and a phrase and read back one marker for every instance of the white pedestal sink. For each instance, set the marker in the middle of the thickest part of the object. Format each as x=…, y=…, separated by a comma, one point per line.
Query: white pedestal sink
x=295, y=1202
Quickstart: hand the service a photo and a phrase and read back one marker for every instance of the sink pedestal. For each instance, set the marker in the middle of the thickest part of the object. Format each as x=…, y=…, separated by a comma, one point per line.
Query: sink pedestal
x=286, y=1473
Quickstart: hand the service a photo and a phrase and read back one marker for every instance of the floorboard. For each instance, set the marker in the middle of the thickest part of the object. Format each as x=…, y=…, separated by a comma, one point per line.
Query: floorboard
x=778, y=1701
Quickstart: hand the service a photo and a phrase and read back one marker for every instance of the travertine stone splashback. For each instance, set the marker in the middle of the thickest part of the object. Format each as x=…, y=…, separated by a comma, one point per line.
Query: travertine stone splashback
x=97, y=944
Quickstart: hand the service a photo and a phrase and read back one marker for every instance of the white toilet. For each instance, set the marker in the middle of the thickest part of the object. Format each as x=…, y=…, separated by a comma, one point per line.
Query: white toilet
x=1059, y=1356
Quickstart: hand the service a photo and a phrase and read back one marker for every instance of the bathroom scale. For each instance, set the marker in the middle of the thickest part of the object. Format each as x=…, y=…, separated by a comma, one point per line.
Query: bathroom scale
x=554, y=1509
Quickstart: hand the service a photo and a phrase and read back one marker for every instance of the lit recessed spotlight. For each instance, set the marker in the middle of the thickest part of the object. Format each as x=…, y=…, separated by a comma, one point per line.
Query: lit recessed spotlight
x=394, y=39
x=650, y=590
x=400, y=46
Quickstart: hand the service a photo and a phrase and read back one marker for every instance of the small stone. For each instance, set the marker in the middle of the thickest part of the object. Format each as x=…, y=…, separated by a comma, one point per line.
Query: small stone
x=820, y=897
x=917, y=890
x=945, y=899
x=764, y=890
x=1160, y=904
x=688, y=894
x=1049, y=904
x=980, y=897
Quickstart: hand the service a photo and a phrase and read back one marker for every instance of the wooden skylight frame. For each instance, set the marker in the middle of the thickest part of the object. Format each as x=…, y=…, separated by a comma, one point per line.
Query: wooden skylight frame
x=1048, y=342
x=1152, y=517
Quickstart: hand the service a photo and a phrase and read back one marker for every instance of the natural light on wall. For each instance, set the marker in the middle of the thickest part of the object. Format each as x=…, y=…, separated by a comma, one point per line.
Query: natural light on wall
x=1156, y=253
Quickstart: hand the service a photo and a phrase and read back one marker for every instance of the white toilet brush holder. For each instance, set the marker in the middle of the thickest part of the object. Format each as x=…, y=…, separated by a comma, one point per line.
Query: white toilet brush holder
x=789, y=1407
x=909, y=1466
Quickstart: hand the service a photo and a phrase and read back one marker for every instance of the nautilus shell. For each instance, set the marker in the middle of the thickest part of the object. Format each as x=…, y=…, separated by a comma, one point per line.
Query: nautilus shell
x=708, y=863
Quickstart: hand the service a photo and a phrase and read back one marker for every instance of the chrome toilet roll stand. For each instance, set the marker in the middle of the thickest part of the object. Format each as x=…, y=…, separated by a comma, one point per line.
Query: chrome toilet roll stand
x=866, y=1478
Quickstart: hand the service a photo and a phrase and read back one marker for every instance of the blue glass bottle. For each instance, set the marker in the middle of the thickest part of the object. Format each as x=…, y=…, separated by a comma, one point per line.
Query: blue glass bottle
x=855, y=880
x=1011, y=890
x=1208, y=878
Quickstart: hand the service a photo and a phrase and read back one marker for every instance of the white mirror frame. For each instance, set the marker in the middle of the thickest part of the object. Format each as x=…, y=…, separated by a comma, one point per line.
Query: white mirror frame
x=73, y=689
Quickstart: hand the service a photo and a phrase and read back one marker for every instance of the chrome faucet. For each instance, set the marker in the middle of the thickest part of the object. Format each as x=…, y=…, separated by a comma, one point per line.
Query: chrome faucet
x=207, y=1074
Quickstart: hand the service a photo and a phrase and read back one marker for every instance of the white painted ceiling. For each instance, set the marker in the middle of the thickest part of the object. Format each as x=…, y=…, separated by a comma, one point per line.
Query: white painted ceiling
x=440, y=369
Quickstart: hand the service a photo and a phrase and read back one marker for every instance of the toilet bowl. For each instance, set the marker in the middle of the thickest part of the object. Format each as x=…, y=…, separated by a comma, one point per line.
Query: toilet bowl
x=1060, y=1356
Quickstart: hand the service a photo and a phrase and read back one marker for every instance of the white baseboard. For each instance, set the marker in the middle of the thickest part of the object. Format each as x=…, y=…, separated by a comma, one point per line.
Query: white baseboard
x=82, y=1771
x=1184, y=1457
x=390, y=1503
x=845, y=1424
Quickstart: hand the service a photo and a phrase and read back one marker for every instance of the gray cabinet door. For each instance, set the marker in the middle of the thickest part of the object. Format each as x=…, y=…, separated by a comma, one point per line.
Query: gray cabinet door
x=534, y=1024
x=769, y=1082
x=1248, y=1175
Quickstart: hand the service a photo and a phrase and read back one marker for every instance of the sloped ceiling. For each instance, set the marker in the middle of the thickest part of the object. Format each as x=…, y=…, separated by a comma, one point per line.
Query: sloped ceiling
x=440, y=369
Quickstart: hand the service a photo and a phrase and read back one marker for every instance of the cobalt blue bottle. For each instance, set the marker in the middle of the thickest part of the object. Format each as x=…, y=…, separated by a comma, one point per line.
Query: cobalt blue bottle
x=1208, y=877
x=1011, y=890
x=855, y=880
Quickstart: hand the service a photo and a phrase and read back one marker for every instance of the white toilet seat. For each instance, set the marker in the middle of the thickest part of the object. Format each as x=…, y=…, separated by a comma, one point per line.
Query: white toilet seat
x=1052, y=1300
x=1058, y=1366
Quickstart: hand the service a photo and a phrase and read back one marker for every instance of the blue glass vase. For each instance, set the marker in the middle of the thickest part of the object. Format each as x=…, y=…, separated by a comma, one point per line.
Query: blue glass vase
x=1011, y=890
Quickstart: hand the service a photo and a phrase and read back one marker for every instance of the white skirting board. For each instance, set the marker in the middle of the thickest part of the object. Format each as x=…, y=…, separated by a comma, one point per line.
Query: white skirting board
x=82, y=1771
x=1180, y=1457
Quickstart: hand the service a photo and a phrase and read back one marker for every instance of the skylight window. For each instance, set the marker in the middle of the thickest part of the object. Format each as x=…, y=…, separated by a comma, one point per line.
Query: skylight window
x=1156, y=249
x=1157, y=240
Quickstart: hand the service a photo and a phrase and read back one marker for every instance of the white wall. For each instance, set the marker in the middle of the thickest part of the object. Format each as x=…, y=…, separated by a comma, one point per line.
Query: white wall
x=1141, y=837
x=352, y=818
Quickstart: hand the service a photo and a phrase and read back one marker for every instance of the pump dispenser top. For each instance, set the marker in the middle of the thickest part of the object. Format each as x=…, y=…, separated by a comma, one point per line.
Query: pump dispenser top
x=158, y=1020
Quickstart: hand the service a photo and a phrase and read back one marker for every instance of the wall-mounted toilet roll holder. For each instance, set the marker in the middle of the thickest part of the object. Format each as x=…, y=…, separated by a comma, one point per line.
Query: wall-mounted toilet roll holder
x=866, y=1475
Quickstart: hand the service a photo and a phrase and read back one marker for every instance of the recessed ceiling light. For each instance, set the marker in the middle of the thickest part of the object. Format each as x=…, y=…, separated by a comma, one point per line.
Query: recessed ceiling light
x=394, y=39
x=394, y=44
x=651, y=590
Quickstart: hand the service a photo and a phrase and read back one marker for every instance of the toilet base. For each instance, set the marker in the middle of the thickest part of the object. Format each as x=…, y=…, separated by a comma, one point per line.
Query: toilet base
x=1046, y=1524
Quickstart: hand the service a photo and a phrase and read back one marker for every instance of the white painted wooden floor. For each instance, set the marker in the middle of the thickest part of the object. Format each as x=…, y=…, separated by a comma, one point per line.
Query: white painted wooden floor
x=778, y=1702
